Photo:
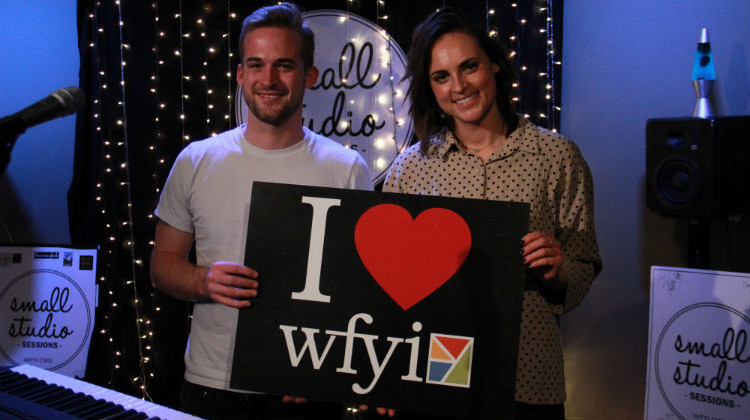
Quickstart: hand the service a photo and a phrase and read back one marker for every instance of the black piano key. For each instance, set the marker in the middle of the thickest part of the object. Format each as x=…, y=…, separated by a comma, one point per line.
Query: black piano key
x=5, y=373
x=129, y=415
x=70, y=398
x=81, y=400
x=65, y=400
x=22, y=386
x=13, y=383
x=8, y=376
x=12, y=407
x=37, y=387
x=47, y=389
x=60, y=402
x=102, y=413
x=86, y=408
x=82, y=409
x=52, y=398
x=51, y=393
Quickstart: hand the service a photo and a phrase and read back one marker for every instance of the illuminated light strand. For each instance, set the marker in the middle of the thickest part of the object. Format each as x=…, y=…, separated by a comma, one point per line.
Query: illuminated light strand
x=492, y=30
x=386, y=102
x=345, y=22
x=228, y=40
x=130, y=243
x=155, y=149
x=207, y=51
x=393, y=96
x=552, y=106
x=111, y=147
x=180, y=54
x=515, y=39
x=230, y=71
x=542, y=23
x=101, y=186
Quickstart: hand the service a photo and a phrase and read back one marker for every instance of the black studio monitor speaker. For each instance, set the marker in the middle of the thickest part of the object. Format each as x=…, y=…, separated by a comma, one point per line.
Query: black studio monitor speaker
x=697, y=168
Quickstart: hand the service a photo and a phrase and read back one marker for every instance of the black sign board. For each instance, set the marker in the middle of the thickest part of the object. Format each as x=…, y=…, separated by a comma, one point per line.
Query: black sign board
x=402, y=301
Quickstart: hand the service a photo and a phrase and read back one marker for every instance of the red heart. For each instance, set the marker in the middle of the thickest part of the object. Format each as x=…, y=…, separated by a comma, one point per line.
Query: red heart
x=408, y=258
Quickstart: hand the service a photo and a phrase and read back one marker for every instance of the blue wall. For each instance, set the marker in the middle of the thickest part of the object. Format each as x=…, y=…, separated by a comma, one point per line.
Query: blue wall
x=39, y=54
x=623, y=63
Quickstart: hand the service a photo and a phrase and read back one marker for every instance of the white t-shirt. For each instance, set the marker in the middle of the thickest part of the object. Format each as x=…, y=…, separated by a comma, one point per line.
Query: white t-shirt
x=207, y=193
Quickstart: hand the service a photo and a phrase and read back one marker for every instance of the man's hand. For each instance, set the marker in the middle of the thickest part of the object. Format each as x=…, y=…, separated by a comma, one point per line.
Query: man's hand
x=380, y=410
x=230, y=284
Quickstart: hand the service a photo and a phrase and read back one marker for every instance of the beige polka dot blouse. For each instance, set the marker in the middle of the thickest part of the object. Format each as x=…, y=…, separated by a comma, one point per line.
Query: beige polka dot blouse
x=546, y=170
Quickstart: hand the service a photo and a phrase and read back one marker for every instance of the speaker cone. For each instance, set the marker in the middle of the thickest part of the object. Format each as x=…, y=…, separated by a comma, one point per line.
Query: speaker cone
x=677, y=182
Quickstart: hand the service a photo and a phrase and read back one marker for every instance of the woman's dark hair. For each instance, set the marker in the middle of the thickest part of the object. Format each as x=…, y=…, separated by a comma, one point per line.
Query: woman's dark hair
x=284, y=15
x=424, y=109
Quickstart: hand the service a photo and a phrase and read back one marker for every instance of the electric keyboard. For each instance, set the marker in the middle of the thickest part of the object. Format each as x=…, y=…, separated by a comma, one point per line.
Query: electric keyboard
x=29, y=392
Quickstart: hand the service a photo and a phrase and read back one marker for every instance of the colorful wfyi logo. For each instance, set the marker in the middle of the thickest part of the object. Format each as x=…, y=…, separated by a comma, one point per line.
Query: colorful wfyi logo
x=449, y=362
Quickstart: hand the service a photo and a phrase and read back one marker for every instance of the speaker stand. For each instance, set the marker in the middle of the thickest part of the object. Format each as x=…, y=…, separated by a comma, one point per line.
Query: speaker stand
x=699, y=236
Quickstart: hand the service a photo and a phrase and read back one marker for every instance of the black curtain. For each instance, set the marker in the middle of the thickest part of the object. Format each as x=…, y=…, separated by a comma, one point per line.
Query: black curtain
x=158, y=75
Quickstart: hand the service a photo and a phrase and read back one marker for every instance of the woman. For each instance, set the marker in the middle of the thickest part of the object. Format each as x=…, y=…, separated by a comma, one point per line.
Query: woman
x=473, y=145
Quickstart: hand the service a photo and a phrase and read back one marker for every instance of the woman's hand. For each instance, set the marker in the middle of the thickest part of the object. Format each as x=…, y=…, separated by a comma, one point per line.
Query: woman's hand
x=541, y=252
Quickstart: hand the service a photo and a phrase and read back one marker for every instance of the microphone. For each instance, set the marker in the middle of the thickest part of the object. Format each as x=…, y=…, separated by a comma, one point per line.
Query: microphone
x=59, y=103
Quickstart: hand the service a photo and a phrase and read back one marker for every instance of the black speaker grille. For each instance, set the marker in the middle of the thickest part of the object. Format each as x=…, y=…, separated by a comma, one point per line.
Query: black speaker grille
x=677, y=182
x=698, y=168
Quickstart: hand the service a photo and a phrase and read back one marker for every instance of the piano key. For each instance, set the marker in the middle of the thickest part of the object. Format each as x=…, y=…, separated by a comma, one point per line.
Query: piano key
x=54, y=396
x=103, y=411
x=81, y=394
x=11, y=384
x=14, y=388
x=83, y=401
x=130, y=415
x=12, y=407
x=85, y=408
x=39, y=393
x=97, y=406
x=34, y=389
x=65, y=400
x=6, y=374
x=49, y=393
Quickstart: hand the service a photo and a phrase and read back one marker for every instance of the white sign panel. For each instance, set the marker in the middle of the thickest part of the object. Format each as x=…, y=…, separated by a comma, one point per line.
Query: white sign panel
x=699, y=349
x=47, y=301
x=359, y=99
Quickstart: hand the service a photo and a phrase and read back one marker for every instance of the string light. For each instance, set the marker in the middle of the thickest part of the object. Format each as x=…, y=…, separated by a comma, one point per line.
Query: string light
x=530, y=22
x=127, y=225
x=552, y=106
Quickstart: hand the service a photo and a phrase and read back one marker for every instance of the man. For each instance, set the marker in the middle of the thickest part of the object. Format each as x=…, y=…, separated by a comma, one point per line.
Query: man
x=207, y=197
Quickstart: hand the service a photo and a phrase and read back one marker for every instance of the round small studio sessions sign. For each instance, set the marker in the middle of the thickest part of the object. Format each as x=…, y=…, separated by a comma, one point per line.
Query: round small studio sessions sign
x=702, y=362
x=359, y=98
x=46, y=318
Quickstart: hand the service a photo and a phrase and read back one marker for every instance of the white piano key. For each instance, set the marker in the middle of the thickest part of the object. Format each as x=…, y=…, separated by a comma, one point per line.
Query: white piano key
x=98, y=392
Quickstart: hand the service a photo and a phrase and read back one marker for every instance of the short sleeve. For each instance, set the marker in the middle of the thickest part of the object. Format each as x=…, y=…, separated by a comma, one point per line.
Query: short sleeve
x=173, y=207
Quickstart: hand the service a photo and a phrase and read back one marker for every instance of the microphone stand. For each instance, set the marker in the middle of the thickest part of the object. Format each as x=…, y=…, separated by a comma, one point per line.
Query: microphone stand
x=6, y=146
x=10, y=130
x=699, y=237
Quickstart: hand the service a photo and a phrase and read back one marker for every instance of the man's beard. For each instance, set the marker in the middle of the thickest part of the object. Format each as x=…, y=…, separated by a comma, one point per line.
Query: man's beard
x=275, y=116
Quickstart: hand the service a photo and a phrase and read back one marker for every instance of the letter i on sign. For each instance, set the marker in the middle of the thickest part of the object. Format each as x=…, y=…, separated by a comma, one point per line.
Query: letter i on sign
x=315, y=255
